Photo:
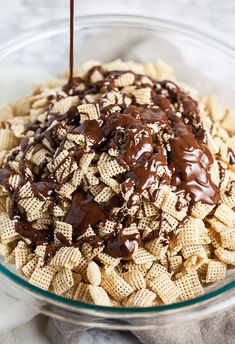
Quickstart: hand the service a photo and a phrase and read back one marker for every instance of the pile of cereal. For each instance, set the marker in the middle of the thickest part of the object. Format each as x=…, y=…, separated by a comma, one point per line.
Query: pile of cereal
x=118, y=189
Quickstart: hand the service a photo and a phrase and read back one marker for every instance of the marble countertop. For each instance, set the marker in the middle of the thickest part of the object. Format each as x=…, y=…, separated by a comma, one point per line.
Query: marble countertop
x=212, y=16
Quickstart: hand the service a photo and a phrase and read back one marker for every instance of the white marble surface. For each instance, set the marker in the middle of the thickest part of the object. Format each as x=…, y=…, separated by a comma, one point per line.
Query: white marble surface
x=213, y=16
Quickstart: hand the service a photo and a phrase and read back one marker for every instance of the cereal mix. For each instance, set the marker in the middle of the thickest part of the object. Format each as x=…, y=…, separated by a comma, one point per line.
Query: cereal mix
x=118, y=189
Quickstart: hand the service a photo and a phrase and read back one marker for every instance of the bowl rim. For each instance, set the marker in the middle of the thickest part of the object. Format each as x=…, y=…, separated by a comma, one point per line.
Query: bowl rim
x=40, y=32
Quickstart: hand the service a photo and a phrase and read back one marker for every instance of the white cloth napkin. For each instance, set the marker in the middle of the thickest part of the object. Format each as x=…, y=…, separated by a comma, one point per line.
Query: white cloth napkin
x=13, y=314
x=214, y=330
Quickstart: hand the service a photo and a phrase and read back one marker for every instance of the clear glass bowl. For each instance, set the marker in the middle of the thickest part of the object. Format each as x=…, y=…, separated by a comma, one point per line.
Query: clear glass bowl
x=202, y=61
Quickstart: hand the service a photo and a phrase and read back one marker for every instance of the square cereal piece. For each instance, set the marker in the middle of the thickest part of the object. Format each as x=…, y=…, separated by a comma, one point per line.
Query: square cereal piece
x=110, y=169
x=175, y=246
x=77, y=177
x=90, y=252
x=3, y=203
x=135, y=279
x=142, y=256
x=63, y=228
x=7, y=140
x=189, y=286
x=62, y=281
x=193, y=250
x=162, y=193
x=229, y=200
x=82, y=293
x=5, y=249
x=82, y=266
x=228, y=122
x=216, y=110
x=228, y=238
x=91, y=177
x=96, y=189
x=115, y=286
x=35, y=209
x=225, y=256
x=154, y=247
x=175, y=263
x=64, y=165
x=41, y=156
x=165, y=288
x=143, y=95
x=225, y=214
x=88, y=112
x=29, y=268
x=22, y=253
x=43, y=276
x=216, y=271
x=40, y=250
x=63, y=105
x=14, y=181
x=112, y=183
x=201, y=210
x=107, y=260
x=124, y=80
x=170, y=206
x=86, y=160
x=144, y=222
x=140, y=298
x=194, y=232
x=66, y=257
x=193, y=263
x=212, y=144
x=132, y=229
x=104, y=195
x=66, y=190
x=216, y=224
x=131, y=266
x=106, y=227
x=150, y=209
x=7, y=229
x=155, y=270
x=168, y=223
x=214, y=237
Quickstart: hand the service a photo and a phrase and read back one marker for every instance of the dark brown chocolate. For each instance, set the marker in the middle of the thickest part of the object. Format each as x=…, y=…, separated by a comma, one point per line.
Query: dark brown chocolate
x=190, y=162
x=5, y=174
x=119, y=245
x=83, y=212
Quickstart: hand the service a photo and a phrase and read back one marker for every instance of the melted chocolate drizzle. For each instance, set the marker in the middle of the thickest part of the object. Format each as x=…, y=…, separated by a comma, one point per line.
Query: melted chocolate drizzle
x=231, y=156
x=191, y=162
x=71, y=46
x=5, y=174
x=119, y=245
x=83, y=212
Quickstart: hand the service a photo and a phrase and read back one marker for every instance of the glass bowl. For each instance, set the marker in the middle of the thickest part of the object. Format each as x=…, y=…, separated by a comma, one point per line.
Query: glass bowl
x=200, y=60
